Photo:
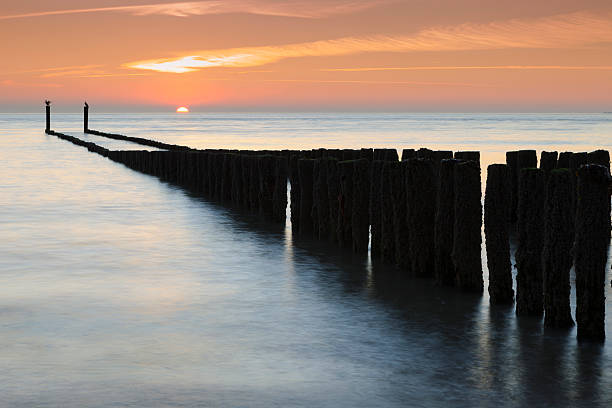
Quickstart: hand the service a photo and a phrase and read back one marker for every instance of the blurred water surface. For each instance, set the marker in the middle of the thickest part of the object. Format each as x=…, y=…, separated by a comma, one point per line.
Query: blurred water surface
x=117, y=289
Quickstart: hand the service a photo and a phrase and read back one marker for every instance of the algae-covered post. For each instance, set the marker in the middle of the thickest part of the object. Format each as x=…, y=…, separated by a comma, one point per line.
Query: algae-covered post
x=468, y=156
x=526, y=159
x=564, y=160
x=557, y=258
x=548, y=161
x=529, y=299
x=591, y=250
x=601, y=157
x=467, y=238
x=444, y=224
x=497, y=225
x=408, y=154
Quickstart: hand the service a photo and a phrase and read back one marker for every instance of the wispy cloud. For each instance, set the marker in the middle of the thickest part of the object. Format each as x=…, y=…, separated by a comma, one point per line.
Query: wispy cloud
x=287, y=8
x=411, y=83
x=54, y=69
x=14, y=84
x=563, y=31
x=74, y=71
x=478, y=68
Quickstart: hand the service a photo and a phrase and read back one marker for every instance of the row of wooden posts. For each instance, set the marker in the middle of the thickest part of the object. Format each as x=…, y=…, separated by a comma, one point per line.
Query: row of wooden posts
x=423, y=213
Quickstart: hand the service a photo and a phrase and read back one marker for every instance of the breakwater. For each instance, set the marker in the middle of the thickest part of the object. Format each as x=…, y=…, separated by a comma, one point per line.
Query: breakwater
x=332, y=182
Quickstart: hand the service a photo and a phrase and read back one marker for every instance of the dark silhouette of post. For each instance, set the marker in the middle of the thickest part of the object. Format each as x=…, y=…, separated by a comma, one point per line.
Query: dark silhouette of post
x=421, y=201
x=48, y=108
x=85, y=118
x=400, y=221
x=591, y=250
x=444, y=224
x=497, y=225
x=529, y=285
x=548, y=161
x=557, y=255
x=467, y=238
x=376, y=207
x=305, y=173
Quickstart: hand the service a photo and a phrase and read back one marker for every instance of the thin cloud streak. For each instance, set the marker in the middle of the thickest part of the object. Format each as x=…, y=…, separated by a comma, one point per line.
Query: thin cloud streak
x=289, y=8
x=341, y=81
x=476, y=68
x=66, y=68
x=562, y=31
x=110, y=75
x=11, y=83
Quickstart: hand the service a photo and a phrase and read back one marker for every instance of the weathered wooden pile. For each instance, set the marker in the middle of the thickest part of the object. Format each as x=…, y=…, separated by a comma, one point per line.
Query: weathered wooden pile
x=561, y=209
x=424, y=213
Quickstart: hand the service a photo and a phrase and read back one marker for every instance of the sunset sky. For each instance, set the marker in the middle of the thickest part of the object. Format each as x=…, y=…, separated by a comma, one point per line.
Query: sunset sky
x=406, y=55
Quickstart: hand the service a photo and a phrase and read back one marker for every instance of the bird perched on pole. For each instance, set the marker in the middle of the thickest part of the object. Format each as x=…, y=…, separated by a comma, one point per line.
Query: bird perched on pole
x=47, y=102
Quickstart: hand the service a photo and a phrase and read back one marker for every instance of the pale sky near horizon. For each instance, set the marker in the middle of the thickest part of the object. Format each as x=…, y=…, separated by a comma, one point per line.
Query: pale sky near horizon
x=415, y=55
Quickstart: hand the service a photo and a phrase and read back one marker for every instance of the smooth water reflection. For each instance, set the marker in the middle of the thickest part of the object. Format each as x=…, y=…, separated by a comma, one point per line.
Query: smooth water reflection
x=119, y=290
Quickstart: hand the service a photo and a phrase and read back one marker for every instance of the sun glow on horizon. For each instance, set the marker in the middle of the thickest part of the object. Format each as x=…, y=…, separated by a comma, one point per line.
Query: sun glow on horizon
x=182, y=109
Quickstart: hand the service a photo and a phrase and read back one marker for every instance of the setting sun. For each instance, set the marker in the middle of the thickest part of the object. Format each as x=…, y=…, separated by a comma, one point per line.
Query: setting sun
x=182, y=109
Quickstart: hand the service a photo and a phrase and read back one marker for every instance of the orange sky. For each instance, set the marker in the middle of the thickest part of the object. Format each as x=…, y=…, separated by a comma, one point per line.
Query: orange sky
x=434, y=55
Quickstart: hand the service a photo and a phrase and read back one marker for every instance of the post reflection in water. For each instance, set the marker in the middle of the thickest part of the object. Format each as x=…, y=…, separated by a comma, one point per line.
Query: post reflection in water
x=117, y=289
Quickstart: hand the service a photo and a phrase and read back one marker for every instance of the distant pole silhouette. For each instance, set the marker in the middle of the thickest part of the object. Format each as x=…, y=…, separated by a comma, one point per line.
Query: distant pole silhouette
x=86, y=118
x=48, y=108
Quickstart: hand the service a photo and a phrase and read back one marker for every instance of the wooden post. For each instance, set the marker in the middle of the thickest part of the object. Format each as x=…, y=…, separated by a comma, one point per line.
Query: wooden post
x=557, y=258
x=296, y=191
x=305, y=170
x=496, y=224
x=387, y=236
x=564, y=160
x=397, y=175
x=591, y=250
x=444, y=224
x=376, y=207
x=512, y=163
x=86, y=118
x=345, y=204
x=361, y=205
x=48, y=112
x=529, y=284
x=421, y=202
x=467, y=239
x=468, y=156
x=333, y=195
x=548, y=161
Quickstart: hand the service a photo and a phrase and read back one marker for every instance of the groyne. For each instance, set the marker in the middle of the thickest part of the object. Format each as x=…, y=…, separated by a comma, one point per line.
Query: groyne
x=423, y=214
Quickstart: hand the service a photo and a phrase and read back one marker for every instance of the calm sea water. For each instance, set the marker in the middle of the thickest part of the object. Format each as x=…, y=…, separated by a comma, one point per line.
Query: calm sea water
x=118, y=290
